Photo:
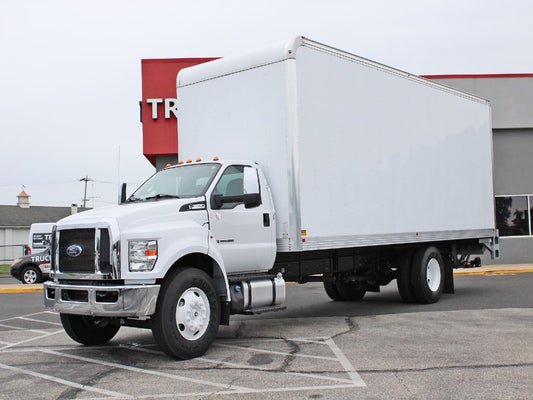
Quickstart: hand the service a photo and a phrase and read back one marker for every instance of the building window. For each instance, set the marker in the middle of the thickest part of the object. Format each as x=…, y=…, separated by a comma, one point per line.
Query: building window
x=513, y=215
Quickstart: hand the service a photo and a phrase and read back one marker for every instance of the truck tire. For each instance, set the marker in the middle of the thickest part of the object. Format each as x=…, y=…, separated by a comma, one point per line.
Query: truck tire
x=350, y=291
x=403, y=278
x=331, y=290
x=30, y=274
x=427, y=275
x=187, y=314
x=87, y=330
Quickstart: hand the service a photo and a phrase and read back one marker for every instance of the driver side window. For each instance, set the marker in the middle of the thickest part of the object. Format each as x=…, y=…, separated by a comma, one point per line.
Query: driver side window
x=231, y=183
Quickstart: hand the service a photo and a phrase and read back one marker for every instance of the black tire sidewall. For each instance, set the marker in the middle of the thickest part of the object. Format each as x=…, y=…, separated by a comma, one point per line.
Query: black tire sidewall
x=35, y=269
x=79, y=330
x=403, y=278
x=164, y=324
x=419, y=283
x=350, y=291
x=331, y=290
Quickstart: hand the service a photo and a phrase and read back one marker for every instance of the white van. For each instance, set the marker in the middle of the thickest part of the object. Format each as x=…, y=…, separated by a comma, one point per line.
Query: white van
x=40, y=236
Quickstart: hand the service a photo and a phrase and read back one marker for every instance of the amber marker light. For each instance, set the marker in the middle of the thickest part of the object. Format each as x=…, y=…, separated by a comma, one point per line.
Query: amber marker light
x=215, y=158
x=198, y=159
x=150, y=253
x=168, y=165
x=189, y=161
x=180, y=162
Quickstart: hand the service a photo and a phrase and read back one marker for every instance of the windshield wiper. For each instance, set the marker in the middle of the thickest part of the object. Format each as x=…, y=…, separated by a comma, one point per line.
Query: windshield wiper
x=131, y=199
x=162, y=196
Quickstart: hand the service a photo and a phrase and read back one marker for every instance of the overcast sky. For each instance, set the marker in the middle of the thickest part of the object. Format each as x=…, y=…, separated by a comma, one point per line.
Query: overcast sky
x=70, y=71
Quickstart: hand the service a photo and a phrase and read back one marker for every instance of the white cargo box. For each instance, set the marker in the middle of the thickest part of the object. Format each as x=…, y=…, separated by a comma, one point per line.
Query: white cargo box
x=356, y=153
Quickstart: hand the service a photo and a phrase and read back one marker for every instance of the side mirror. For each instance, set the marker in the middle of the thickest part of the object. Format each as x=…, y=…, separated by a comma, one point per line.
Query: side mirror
x=216, y=201
x=250, y=200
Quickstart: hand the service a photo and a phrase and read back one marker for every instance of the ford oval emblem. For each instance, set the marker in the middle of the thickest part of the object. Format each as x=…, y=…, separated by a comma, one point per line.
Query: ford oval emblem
x=74, y=250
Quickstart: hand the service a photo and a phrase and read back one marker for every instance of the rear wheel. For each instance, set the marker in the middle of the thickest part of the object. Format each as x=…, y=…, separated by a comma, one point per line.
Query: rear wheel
x=427, y=275
x=403, y=278
x=31, y=274
x=340, y=290
x=187, y=314
x=87, y=330
x=351, y=291
x=331, y=290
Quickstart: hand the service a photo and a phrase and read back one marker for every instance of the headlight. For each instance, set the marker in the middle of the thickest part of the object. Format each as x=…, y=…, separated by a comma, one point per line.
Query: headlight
x=142, y=255
x=17, y=261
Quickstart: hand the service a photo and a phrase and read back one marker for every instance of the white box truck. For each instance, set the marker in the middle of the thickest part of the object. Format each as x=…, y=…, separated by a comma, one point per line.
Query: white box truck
x=332, y=168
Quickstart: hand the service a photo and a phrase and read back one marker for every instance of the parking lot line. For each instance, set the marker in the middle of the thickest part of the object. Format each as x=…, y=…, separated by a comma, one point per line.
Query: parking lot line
x=39, y=320
x=23, y=329
x=225, y=387
x=258, y=368
x=356, y=378
x=281, y=353
x=65, y=382
x=32, y=339
x=28, y=315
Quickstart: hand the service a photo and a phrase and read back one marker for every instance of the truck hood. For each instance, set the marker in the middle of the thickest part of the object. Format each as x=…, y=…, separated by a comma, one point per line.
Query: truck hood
x=129, y=214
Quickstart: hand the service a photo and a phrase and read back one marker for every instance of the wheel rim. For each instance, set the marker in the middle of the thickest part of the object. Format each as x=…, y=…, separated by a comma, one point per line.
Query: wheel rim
x=192, y=313
x=30, y=276
x=433, y=274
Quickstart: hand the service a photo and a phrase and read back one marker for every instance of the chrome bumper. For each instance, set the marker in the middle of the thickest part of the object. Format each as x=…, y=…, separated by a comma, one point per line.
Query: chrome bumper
x=101, y=301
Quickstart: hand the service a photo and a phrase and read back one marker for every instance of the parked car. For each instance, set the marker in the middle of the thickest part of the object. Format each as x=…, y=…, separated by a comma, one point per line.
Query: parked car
x=33, y=268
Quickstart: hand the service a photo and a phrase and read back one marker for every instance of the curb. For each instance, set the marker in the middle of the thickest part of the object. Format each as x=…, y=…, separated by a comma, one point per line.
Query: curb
x=15, y=289
x=493, y=272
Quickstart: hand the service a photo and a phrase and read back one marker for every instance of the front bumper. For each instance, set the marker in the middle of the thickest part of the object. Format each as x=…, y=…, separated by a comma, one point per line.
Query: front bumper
x=102, y=301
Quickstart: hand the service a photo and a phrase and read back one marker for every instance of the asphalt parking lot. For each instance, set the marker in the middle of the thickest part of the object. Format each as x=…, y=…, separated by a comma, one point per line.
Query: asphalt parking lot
x=475, y=344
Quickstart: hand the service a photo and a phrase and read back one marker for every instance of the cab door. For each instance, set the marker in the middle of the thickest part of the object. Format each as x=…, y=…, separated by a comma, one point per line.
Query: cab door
x=241, y=220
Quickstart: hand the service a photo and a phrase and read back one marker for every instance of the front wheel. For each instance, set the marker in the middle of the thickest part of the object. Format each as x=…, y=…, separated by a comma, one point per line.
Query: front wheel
x=187, y=315
x=90, y=331
x=31, y=274
x=427, y=275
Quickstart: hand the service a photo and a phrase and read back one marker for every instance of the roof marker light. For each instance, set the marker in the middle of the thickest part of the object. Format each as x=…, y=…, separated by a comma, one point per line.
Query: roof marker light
x=198, y=159
x=168, y=165
x=189, y=161
x=215, y=158
x=180, y=162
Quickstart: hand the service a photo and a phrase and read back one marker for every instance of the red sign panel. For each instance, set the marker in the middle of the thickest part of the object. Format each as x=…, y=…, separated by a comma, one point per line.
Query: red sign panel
x=159, y=109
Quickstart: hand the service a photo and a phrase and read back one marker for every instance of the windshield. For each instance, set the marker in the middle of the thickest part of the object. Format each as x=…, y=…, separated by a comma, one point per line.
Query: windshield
x=179, y=182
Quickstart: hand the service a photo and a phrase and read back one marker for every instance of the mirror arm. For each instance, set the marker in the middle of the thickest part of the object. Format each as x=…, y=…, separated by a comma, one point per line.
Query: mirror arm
x=123, y=193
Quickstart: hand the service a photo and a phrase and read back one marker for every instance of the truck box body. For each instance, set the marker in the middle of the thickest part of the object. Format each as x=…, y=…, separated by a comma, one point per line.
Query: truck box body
x=356, y=153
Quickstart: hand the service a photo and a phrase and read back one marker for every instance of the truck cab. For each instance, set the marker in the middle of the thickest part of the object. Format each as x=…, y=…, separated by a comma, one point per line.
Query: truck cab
x=170, y=257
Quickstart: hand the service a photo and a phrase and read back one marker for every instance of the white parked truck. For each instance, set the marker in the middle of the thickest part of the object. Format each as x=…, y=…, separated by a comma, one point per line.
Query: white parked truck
x=332, y=168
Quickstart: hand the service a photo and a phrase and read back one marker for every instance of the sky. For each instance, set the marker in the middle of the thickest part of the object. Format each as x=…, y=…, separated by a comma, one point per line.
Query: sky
x=70, y=71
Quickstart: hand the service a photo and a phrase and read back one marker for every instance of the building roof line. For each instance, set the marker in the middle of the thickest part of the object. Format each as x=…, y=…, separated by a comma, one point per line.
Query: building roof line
x=477, y=76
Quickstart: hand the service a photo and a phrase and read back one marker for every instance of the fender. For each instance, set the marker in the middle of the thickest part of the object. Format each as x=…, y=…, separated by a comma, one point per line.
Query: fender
x=174, y=243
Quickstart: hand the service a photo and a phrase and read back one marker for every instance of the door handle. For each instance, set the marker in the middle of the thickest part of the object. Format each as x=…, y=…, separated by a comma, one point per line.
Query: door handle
x=266, y=219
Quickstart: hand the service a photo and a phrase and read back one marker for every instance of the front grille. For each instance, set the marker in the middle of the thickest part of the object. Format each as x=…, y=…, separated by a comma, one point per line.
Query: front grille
x=84, y=262
x=86, y=251
x=105, y=252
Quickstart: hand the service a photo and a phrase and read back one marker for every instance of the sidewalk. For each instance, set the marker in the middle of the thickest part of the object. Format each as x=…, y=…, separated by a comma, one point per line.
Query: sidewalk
x=11, y=285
